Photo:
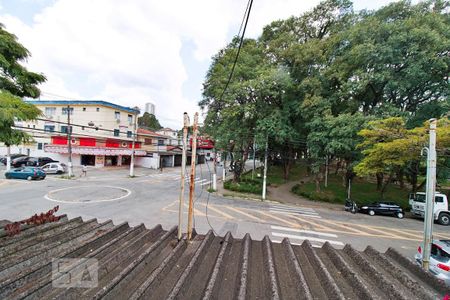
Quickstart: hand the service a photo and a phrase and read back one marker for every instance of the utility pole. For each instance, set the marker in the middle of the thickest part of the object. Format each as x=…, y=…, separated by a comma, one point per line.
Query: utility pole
x=265, y=170
x=69, y=142
x=254, y=162
x=214, y=183
x=224, y=170
x=134, y=141
x=326, y=172
x=183, y=172
x=431, y=189
x=192, y=179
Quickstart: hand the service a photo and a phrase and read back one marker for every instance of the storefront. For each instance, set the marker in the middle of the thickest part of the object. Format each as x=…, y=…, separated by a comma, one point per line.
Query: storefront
x=99, y=157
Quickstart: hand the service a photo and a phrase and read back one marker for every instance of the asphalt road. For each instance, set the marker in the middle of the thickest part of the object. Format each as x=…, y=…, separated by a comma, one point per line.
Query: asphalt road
x=152, y=198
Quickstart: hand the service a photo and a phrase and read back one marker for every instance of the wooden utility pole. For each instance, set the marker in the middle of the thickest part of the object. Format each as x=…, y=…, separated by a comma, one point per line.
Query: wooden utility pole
x=69, y=142
x=183, y=172
x=192, y=179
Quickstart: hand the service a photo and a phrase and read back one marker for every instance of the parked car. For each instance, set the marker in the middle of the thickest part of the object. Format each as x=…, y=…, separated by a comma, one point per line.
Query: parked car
x=31, y=161
x=439, y=264
x=28, y=173
x=40, y=161
x=13, y=156
x=54, y=168
x=20, y=161
x=383, y=208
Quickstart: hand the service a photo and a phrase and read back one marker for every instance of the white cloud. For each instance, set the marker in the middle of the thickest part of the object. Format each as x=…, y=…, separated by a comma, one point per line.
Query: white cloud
x=128, y=52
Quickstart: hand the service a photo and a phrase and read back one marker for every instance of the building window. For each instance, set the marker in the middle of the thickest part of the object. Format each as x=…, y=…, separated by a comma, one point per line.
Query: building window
x=39, y=146
x=34, y=126
x=84, y=108
x=130, y=119
x=117, y=115
x=29, y=126
x=82, y=127
x=129, y=134
x=97, y=109
x=65, y=109
x=116, y=132
x=147, y=141
x=49, y=128
x=50, y=111
x=64, y=129
x=160, y=142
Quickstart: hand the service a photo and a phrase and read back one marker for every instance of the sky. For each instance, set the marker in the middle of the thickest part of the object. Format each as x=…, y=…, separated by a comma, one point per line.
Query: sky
x=136, y=51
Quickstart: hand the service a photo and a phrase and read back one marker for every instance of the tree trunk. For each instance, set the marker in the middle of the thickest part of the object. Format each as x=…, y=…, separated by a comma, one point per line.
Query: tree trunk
x=385, y=185
x=379, y=181
x=317, y=180
x=338, y=165
x=400, y=178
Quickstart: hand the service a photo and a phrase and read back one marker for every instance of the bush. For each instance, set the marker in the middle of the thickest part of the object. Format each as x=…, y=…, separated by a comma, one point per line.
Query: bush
x=245, y=186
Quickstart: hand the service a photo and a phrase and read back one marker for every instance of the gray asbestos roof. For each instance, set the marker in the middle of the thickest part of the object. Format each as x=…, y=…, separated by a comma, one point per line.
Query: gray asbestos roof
x=140, y=263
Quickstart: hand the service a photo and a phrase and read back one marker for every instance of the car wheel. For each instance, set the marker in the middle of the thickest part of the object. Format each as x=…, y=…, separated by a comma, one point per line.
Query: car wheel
x=29, y=178
x=59, y=172
x=400, y=215
x=444, y=219
x=371, y=212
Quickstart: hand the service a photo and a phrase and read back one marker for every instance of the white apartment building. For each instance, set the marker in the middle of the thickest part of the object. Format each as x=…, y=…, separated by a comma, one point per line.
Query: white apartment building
x=101, y=132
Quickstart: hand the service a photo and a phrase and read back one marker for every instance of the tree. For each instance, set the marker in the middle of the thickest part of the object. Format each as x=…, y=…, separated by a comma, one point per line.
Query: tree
x=149, y=121
x=14, y=77
x=14, y=109
x=389, y=148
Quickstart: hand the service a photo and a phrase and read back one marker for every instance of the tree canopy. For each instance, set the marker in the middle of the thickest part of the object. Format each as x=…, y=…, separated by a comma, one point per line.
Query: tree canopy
x=14, y=77
x=149, y=121
x=310, y=83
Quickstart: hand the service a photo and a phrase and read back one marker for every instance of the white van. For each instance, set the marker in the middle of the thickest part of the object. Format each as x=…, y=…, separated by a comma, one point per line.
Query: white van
x=441, y=208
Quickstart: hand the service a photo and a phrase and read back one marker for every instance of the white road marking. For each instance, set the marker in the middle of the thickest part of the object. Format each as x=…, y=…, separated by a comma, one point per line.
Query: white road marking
x=297, y=214
x=205, y=183
x=294, y=211
x=302, y=237
x=291, y=207
x=303, y=231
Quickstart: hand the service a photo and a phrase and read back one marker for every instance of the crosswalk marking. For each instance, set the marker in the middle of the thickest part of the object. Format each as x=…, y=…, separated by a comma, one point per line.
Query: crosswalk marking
x=244, y=213
x=303, y=237
x=303, y=231
x=292, y=207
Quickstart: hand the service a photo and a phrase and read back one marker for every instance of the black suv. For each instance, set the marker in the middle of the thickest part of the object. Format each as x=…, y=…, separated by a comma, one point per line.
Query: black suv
x=31, y=161
x=383, y=208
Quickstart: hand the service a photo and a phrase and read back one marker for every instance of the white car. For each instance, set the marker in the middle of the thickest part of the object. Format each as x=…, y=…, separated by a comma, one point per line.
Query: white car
x=54, y=168
x=439, y=259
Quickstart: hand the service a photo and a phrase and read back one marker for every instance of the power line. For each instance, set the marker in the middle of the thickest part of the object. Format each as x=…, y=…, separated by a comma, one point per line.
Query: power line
x=246, y=16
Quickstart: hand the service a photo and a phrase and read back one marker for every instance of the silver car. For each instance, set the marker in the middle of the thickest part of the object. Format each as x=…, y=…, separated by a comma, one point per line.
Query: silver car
x=439, y=259
x=54, y=168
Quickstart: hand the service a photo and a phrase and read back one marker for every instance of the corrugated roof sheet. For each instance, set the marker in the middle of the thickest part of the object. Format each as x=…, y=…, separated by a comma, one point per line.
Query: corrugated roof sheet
x=140, y=263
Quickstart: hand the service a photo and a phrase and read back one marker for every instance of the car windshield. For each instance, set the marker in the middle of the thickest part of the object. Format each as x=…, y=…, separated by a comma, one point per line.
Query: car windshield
x=420, y=198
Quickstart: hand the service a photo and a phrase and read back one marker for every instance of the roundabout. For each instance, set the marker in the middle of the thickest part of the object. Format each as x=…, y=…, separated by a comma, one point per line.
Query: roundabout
x=88, y=194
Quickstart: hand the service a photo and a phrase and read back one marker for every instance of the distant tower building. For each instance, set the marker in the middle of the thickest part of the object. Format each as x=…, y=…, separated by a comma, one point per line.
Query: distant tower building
x=150, y=108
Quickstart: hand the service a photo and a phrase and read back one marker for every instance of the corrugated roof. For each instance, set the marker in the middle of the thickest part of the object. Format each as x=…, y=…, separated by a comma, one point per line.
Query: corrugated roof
x=149, y=132
x=140, y=263
x=83, y=102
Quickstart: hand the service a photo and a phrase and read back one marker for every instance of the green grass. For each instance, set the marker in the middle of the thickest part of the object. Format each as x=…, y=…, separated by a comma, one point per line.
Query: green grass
x=275, y=174
x=362, y=192
x=245, y=186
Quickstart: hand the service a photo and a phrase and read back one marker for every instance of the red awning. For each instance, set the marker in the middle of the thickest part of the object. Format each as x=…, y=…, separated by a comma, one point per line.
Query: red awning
x=93, y=150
